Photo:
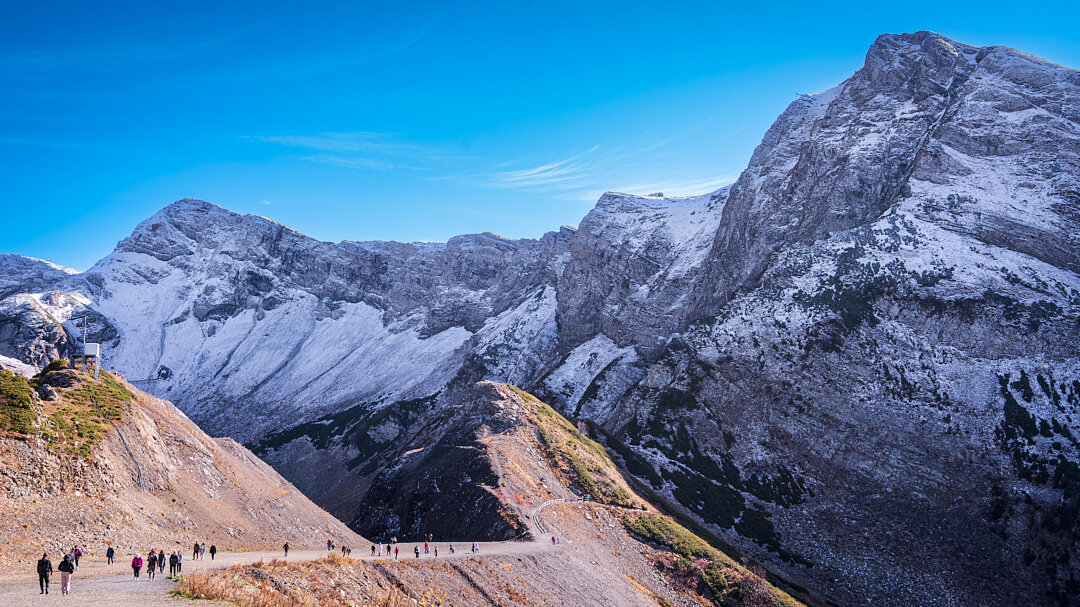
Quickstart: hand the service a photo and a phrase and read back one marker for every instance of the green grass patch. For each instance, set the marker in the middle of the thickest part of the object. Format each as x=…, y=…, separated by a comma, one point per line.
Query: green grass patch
x=722, y=575
x=81, y=416
x=16, y=410
x=581, y=457
x=105, y=395
x=661, y=530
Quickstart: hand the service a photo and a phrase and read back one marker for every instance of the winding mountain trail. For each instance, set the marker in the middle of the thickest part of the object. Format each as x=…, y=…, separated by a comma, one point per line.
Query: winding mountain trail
x=98, y=584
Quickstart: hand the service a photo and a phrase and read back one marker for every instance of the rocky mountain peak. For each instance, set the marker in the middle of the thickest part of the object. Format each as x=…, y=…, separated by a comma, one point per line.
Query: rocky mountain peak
x=840, y=159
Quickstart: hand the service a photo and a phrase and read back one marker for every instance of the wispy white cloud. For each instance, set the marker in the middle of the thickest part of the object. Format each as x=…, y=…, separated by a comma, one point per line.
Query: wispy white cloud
x=364, y=150
x=585, y=176
x=581, y=176
x=572, y=171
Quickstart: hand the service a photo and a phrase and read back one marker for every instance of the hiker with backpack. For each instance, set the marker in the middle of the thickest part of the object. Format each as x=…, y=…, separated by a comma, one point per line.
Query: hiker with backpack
x=66, y=568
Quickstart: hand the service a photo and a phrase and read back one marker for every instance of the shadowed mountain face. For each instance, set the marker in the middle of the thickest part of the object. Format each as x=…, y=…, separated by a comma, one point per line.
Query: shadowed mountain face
x=860, y=364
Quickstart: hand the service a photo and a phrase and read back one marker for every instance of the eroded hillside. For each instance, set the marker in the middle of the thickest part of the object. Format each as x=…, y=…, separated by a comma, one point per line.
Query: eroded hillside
x=91, y=462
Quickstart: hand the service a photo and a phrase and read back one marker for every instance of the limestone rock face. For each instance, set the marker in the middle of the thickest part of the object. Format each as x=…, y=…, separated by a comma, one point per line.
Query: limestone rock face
x=633, y=266
x=859, y=364
x=923, y=109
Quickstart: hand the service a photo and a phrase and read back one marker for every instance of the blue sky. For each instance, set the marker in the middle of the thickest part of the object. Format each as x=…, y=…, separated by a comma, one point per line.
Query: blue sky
x=411, y=121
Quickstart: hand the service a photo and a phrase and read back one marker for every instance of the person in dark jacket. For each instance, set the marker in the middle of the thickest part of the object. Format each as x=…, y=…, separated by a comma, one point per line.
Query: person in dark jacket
x=151, y=565
x=161, y=561
x=213, y=551
x=173, y=560
x=66, y=568
x=44, y=570
x=286, y=548
x=195, y=552
x=110, y=554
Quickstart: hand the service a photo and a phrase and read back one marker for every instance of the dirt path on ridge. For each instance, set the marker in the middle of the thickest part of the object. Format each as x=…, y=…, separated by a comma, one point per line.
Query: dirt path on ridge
x=96, y=584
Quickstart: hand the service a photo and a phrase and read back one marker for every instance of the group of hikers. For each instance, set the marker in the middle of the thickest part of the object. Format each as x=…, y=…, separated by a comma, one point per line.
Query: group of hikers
x=392, y=548
x=154, y=563
x=156, y=560
x=69, y=565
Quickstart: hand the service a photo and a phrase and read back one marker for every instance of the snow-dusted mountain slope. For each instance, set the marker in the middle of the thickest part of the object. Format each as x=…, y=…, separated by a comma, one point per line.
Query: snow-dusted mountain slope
x=248, y=322
x=860, y=364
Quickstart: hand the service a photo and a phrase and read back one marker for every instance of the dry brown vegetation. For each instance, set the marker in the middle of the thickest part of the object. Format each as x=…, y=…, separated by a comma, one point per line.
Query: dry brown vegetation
x=328, y=582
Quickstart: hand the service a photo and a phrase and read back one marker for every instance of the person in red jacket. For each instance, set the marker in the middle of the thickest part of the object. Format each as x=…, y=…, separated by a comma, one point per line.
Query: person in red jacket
x=136, y=564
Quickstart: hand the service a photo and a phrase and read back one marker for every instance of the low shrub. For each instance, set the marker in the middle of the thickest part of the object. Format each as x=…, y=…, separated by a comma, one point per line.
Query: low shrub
x=662, y=530
x=16, y=403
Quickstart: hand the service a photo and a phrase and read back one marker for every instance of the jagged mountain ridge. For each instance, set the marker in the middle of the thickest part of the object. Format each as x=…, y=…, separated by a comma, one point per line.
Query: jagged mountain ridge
x=236, y=291
x=899, y=251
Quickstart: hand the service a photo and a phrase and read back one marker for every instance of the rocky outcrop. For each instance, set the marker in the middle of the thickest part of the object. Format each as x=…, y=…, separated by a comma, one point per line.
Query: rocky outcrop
x=19, y=274
x=920, y=110
x=29, y=336
x=633, y=266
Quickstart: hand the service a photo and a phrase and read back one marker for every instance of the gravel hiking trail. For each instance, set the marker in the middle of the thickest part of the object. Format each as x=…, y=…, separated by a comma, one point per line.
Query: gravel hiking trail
x=97, y=584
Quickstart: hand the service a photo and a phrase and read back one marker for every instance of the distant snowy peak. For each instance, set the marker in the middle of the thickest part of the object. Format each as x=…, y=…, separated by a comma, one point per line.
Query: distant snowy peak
x=645, y=223
x=632, y=266
x=20, y=274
